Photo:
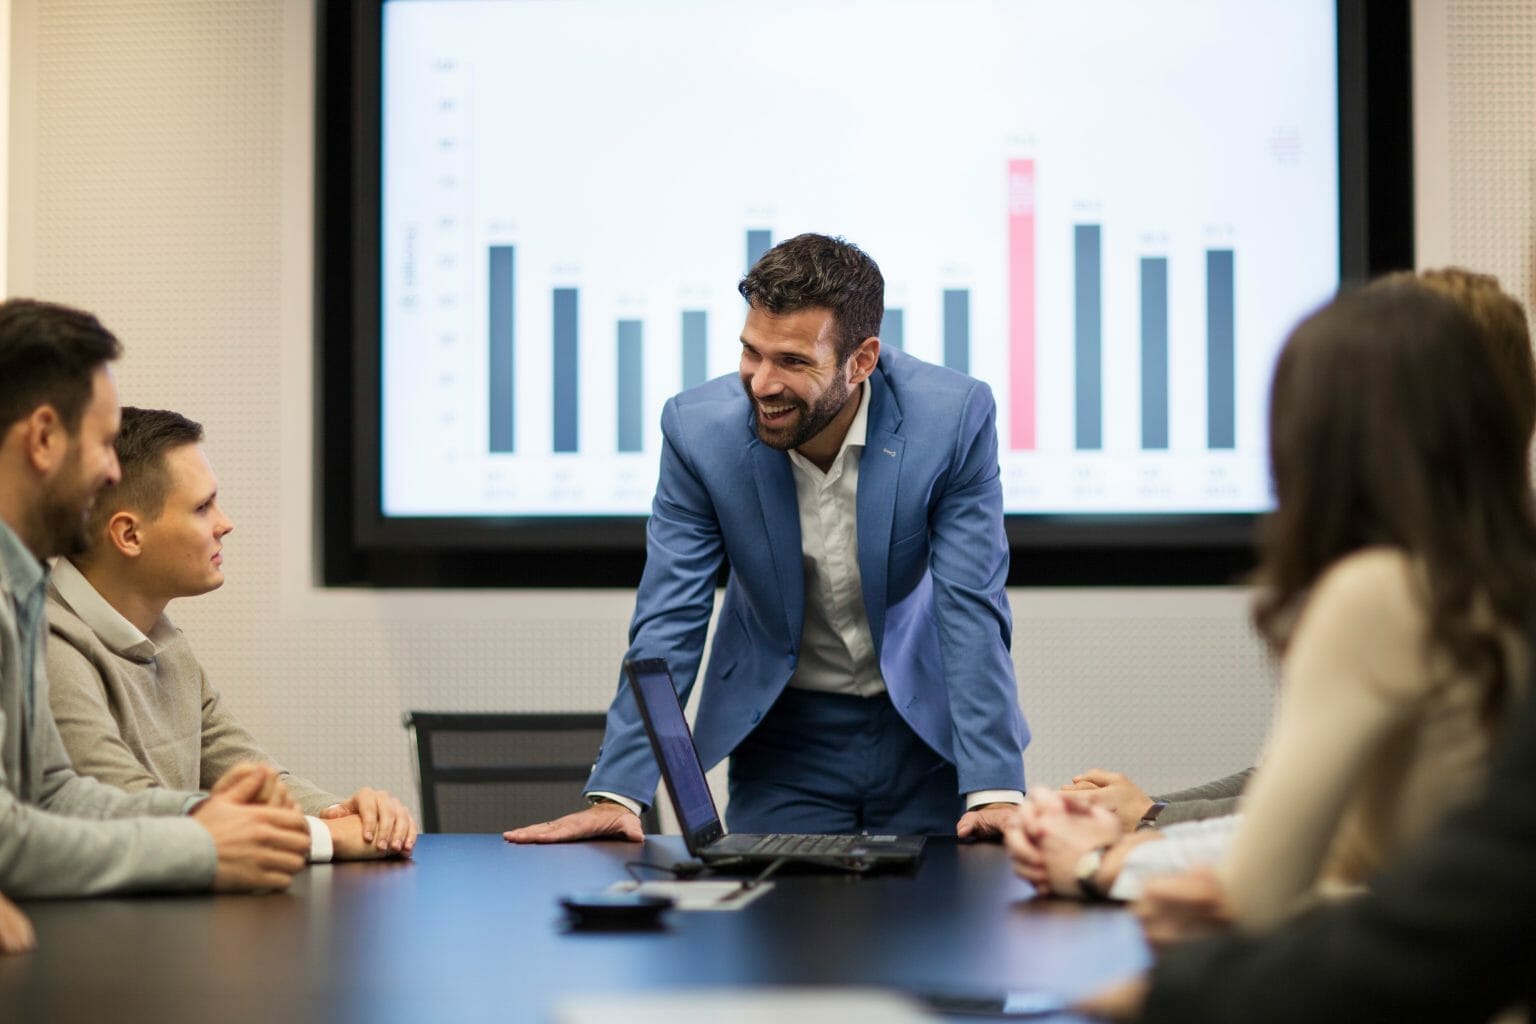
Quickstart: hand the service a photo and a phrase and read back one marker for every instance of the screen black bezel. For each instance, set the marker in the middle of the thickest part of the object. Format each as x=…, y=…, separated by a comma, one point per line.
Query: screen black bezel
x=699, y=839
x=360, y=546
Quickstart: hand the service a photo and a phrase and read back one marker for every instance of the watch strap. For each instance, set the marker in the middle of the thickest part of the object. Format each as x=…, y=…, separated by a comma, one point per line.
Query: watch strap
x=1087, y=873
x=1149, y=819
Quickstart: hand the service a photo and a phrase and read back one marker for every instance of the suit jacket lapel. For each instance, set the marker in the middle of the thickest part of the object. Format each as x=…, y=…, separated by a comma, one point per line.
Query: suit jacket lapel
x=781, y=524
x=879, y=470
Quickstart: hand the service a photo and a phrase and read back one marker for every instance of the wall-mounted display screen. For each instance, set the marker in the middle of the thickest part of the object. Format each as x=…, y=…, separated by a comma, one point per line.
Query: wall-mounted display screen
x=1111, y=211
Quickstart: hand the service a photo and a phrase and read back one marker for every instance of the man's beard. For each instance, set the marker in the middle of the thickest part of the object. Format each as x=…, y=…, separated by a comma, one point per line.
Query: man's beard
x=806, y=421
x=62, y=515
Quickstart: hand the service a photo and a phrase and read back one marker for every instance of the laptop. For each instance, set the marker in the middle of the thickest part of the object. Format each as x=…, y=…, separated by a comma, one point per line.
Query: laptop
x=672, y=743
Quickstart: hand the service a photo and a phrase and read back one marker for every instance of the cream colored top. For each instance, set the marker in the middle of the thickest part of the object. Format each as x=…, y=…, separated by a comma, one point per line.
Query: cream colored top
x=1373, y=744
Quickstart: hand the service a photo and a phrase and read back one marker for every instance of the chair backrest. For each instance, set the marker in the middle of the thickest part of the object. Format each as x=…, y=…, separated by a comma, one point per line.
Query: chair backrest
x=491, y=772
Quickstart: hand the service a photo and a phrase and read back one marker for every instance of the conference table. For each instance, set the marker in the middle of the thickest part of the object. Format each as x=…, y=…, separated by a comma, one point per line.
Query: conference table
x=471, y=929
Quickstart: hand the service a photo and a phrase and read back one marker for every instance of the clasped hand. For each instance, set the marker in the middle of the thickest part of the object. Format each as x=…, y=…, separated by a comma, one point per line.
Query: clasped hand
x=259, y=835
x=1049, y=835
x=383, y=821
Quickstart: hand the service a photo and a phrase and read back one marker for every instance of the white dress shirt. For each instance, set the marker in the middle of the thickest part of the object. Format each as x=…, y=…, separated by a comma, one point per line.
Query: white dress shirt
x=837, y=650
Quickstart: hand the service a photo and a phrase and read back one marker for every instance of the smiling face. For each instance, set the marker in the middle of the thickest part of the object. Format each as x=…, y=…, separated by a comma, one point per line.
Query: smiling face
x=791, y=372
x=181, y=547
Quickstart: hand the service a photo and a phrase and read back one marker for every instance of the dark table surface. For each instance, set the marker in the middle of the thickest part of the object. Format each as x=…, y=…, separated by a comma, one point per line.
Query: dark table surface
x=472, y=930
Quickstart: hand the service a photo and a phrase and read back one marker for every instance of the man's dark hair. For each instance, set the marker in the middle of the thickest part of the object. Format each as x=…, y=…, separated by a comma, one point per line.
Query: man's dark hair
x=143, y=441
x=48, y=355
x=817, y=272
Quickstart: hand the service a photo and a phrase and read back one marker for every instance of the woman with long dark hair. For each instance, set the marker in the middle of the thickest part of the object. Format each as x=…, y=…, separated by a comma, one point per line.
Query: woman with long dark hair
x=1397, y=579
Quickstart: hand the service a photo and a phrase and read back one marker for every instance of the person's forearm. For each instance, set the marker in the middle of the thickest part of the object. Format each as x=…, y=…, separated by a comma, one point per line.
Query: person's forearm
x=226, y=743
x=1175, y=850
x=44, y=854
x=1183, y=811
x=310, y=797
x=1226, y=788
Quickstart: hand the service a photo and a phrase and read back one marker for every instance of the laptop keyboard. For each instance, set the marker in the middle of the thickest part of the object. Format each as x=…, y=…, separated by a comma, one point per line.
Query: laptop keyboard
x=794, y=844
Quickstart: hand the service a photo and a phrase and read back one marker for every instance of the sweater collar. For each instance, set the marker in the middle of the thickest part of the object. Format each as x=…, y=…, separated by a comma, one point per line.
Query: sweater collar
x=105, y=621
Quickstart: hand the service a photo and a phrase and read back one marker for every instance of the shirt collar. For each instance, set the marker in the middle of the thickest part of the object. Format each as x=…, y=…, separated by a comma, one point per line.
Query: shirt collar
x=858, y=430
x=22, y=572
x=96, y=612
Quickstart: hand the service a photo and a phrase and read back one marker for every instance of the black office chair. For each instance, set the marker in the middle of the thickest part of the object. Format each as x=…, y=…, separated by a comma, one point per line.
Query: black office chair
x=481, y=772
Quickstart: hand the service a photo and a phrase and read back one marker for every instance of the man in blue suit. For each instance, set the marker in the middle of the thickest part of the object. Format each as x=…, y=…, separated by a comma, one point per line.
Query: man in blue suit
x=860, y=675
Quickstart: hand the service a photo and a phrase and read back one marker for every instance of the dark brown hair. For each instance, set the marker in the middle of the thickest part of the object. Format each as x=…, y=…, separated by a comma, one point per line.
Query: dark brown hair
x=144, y=440
x=48, y=355
x=818, y=272
x=1501, y=324
x=1389, y=424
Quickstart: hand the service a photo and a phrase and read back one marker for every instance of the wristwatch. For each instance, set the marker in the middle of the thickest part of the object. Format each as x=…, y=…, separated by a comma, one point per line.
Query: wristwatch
x=1087, y=873
x=1149, y=819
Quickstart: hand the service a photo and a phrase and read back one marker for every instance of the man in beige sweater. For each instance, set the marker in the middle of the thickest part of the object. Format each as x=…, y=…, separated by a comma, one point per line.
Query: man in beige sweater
x=134, y=707
x=61, y=834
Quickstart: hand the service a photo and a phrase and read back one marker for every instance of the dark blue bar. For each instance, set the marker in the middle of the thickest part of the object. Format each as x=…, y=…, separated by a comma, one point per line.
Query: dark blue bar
x=759, y=241
x=630, y=377
x=566, y=406
x=957, y=329
x=1154, y=352
x=500, y=329
x=695, y=348
x=1088, y=342
x=1221, y=354
x=893, y=329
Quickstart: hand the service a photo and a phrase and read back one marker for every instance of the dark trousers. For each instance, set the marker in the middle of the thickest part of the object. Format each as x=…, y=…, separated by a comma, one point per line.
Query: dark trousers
x=831, y=762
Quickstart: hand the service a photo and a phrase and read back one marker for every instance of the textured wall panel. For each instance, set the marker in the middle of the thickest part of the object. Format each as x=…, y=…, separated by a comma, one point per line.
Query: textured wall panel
x=1490, y=53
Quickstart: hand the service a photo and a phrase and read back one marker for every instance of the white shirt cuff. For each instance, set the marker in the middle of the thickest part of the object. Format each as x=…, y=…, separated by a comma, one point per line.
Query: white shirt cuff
x=321, y=849
x=992, y=796
x=623, y=801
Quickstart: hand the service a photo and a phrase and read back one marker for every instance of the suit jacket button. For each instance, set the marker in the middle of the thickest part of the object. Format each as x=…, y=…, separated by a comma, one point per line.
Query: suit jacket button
x=757, y=716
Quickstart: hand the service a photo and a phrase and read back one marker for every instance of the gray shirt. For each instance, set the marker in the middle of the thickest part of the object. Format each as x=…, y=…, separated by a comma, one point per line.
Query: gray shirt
x=1215, y=799
x=56, y=833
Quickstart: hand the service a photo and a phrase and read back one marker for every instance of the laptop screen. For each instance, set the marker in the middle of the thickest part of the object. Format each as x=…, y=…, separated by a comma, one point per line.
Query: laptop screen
x=673, y=744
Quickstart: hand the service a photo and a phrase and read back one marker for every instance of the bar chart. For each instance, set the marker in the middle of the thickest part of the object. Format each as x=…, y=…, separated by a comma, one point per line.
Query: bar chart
x=1120, y=278
x=1087, y=345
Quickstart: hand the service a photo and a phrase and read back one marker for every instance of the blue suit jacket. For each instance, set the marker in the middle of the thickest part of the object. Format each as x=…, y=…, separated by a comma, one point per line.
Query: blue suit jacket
x=932, y=556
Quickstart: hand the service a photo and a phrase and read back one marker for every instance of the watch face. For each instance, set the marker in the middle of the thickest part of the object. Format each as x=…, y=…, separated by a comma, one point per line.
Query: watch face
x=1087, y=870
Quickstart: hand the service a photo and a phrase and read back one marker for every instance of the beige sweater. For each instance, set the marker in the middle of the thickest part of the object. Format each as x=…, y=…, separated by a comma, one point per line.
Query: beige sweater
x=1373, y=744
x=147, y=716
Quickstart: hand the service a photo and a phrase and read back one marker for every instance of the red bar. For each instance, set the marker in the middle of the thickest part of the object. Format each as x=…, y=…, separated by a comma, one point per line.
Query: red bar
x=1021, y=304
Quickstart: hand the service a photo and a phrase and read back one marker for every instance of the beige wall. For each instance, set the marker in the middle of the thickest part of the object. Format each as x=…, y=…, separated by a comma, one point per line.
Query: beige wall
x=1475, y=137
x=159, y=158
